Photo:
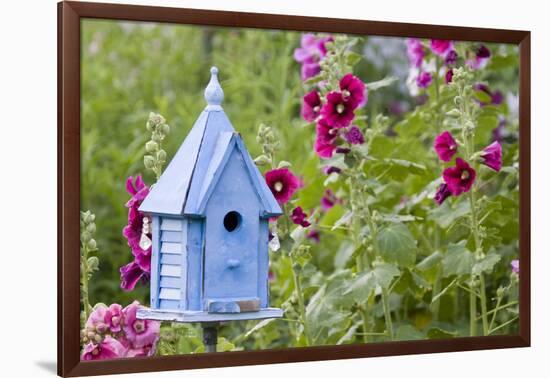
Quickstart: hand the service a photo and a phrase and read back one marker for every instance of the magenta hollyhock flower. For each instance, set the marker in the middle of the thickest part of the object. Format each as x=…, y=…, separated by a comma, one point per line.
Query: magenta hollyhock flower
x=353, y=90
x=137, y=189
x=96, y=320
x=329, y=199
x=450, y=58
x=114, y=317
x=331, y=169
x=325, y=139
x=440, y=46
x=314, y=235
x=354, y=135
x=515, y=266
x=415, y=52
x=311, y=106
x=139, y=332
x=442, y=194
x=483, y=52
x=492, y=156
x=130, y=274
x=338, y=112
x=107, y=349
x=282, y=183
x=424, y=79
x=445, y=146
x=299, y=217
x=132, y=232
x=459, y=178
x=311, y=51
x=449, y=76
x=146, y=351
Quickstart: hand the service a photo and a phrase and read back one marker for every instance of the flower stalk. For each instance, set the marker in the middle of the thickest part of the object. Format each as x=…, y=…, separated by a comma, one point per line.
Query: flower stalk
x=88, y=264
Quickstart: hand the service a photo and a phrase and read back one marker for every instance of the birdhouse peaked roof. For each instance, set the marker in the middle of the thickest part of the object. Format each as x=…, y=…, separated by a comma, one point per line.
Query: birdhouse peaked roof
x=190, y=178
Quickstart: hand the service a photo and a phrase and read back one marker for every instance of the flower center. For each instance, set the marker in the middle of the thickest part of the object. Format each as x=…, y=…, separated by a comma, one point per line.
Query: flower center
x=115, y=320
x=139, y=326
x=278, y=186
x=465, y=175
x=316, y=108
x=452, y=147
x=95, y=351
x=340, y=108
x=345, y=93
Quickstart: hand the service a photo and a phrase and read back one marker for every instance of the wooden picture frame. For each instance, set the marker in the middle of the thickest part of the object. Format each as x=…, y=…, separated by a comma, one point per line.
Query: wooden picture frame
x=69, y=19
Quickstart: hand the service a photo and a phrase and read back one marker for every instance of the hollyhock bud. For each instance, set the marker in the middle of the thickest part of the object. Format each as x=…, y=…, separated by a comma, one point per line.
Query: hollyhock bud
x=492, y=156
x=355, y=136
x=450, y=58
x=299, y=217
x=442, y=194
x=424, y=79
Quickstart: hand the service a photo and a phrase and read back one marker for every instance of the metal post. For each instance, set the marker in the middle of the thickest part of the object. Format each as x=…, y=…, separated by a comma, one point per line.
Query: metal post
x=210, y=336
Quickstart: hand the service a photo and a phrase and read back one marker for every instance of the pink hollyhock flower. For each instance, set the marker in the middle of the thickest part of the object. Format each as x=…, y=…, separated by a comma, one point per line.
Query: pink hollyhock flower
x=114, y=318
x=482, y=55
x=492, y=156
x=96, y=320
x=299, y=217
x=107, y=349
x=440, y=46
x=130, y=274
x=450, y=58
x=445, y=146
x=353, y=90
x=146, y=351
x=282, y=183
x=515, y=266
x=449, y=75
x=424, y=79
x=139, y=332
x=442, y=194
x=459, y=178
x=314, y=235
x=311, y=106
x=338, y=112
x=329, y=199
x=331, y=169
x=310, y=53
x=355, y=136
x=138, y=190
x=415, y=52
x=324, y=139
x=309, y=70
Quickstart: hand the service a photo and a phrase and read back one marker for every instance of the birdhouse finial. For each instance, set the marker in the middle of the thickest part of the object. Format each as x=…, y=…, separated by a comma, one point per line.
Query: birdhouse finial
x=213, y=92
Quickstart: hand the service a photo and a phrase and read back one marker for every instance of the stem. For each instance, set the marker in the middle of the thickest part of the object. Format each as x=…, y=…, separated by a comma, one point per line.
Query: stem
x=301, y=304
x=483, y=305
x=473, y=323
x=84, y=283
x=499, y=299
x=387, y=313
x=504, y=324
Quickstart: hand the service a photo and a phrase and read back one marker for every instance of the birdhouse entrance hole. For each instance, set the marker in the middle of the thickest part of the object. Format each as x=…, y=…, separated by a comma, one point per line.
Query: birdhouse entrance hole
x=232, y=221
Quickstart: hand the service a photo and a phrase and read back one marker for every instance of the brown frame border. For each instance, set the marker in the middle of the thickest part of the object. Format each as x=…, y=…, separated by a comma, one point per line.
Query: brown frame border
x=69, y=15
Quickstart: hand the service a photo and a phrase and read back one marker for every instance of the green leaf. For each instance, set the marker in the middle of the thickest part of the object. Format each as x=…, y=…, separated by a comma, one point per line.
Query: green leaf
x=386, y=82
x=397, y=245
x=352, y=58
x=397, y=218
x=458, y=260
x=438, y=333
x=486, y=265
x=430, y=261
x=259, y=326
x=408, y=332
x=445, y=215
x=343, y=221
x=365, y=283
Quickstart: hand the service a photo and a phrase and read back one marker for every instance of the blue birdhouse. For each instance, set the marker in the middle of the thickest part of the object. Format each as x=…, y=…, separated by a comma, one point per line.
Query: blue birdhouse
x=210, y=211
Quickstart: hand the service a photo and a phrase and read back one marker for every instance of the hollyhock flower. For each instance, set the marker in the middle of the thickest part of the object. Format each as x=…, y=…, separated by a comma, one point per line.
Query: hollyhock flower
x=355, y=136
x=445, y=146
x=314, y=235
x=415, y=52
x=96, y=320
x=329, y=199
x=282, y=183
x=113, y=317
x=449, y=75
x=137, y=189
x=271, y=276
x=299, y=217
x=499, y=132
x=139, y=332
x=424, y=79
x=442, y=193
x=515, y=266
x=492, y=156
x=450, y=58
x=331, y=169
x=107, y=349
x=482, y=55
x=353, y=90
x=459, y=178
x=311, y=106
x=324, y=139
x=132, y=232
x=440, y=46
x=130, y=274
x=496, y=97
x=483, y=52
x=310, y=53
x=337, y=111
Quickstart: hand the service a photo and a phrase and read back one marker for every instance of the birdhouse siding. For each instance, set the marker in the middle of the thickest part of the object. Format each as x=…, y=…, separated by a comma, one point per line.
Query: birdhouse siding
x=172, y=264
x=231, y=258
x=195, y=247
x=155, y=263
x=263, y=264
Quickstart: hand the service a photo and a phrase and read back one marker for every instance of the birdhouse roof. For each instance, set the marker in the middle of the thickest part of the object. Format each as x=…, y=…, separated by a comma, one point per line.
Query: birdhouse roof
x=189, y=179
